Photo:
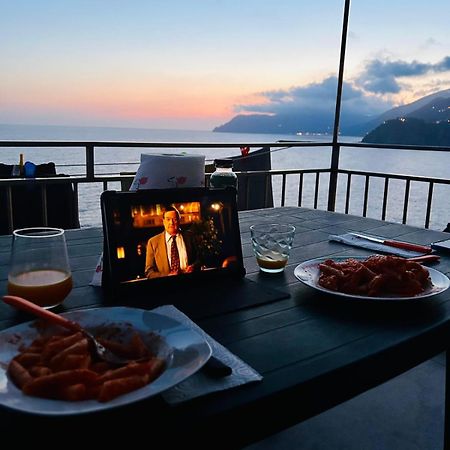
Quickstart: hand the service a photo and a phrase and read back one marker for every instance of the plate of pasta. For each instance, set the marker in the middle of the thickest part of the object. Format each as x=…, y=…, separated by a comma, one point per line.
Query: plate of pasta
x=377, y=277
x=46, y=370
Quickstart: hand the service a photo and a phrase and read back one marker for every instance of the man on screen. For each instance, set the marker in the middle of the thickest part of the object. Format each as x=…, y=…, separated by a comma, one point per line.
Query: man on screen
x=171, y=252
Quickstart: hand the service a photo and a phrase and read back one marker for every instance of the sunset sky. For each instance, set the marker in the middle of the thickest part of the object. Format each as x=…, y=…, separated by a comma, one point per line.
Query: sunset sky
x=196, y=64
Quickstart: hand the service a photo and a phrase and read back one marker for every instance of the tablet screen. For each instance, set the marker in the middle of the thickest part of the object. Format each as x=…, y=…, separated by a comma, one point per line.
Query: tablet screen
x=170, y=233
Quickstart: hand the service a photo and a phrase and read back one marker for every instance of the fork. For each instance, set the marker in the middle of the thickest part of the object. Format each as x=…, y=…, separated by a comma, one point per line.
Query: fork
x=101, y=351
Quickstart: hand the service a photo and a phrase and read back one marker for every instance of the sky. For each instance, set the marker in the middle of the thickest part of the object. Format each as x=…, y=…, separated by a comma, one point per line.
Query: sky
x=195, y=64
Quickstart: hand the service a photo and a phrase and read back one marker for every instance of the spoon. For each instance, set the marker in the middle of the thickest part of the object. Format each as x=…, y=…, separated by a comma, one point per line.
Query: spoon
x=101, y=351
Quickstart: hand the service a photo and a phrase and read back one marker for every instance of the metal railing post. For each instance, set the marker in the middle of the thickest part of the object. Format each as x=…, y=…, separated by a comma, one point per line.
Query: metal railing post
x=9, y=208
x=90, y=162
x=44, y=205
x=334, y=165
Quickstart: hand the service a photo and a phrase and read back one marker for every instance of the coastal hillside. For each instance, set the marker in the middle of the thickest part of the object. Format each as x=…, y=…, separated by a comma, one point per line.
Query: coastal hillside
x=410, y=131
x=419, y=109
x=437, y=110
x=429, y=124
x=416, y=108
x=311, y=121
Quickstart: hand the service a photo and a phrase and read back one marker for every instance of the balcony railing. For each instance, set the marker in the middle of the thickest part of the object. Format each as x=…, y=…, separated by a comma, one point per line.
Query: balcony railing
x=320, y=193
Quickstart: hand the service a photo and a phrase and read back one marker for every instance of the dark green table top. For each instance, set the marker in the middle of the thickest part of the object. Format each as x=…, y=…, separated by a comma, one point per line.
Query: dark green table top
x=314, y=350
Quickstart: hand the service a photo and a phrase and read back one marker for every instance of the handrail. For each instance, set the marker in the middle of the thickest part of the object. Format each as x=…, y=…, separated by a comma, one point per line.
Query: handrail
x=110, y=178
x=287, y=143
x=6, y=143
x=424, y=148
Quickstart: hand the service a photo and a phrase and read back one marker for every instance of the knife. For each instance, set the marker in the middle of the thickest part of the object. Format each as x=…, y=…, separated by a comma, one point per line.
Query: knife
x=397, y=244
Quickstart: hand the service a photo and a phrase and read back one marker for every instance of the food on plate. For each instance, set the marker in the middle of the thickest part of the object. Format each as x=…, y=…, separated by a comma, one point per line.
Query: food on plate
x=64, y=367
x=375, y=276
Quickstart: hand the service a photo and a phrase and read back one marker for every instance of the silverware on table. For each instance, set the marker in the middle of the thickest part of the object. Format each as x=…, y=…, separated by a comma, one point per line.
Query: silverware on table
x=393, y=243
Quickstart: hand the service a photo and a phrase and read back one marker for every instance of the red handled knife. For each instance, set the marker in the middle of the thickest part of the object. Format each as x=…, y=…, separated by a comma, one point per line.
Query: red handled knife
x=398, y=244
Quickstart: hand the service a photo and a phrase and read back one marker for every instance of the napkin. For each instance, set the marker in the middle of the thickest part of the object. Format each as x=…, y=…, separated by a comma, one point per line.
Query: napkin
x=97, y=277
x=349, y=239
x=199, y=383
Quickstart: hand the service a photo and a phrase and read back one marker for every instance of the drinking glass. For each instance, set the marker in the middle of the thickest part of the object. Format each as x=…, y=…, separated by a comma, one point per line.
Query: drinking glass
x=39, y=269
x=271, y=244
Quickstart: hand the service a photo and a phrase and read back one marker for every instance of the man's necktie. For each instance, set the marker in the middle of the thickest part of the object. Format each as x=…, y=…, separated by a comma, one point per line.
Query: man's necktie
x=174, y=256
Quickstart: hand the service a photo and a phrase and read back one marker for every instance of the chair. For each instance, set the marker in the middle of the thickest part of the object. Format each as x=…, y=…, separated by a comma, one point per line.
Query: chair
x=27, y=202
x=254, y=191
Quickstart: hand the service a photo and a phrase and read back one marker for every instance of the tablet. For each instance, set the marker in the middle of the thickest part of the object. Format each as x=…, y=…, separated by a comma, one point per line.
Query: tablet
x=169, y=237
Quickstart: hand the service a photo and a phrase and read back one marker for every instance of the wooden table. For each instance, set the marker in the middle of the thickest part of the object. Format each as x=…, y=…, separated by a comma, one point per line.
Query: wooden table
x=314, y=350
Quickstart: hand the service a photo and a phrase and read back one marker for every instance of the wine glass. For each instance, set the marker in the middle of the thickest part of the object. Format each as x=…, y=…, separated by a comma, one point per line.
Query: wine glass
x=39, y=269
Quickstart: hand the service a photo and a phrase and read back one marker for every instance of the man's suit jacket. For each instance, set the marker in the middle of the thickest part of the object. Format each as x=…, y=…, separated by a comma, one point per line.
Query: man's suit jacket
x=156, y=258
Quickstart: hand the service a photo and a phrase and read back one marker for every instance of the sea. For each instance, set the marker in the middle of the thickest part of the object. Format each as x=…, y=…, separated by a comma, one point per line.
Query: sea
x=71, y=160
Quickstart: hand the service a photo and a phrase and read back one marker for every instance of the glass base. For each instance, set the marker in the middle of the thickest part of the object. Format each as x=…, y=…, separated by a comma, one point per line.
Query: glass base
x=271, y=265
x=264, y=269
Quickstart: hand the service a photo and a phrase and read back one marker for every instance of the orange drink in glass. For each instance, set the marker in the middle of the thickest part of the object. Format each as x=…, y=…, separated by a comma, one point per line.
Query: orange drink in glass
x=40, y=270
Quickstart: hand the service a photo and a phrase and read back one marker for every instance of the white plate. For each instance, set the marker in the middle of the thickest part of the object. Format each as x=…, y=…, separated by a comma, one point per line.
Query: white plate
x=308, y=272
x=185, y=351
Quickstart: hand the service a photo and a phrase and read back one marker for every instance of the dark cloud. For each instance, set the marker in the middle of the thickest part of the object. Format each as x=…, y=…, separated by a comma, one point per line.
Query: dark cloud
x=444, y=65
x=312, y=107
x=380, y=76
x=382, y=85
x=316, y=97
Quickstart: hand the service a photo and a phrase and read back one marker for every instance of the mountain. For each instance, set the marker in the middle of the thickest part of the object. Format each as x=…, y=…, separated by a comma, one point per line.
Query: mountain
x=408, y=109
x=315, y=121
x=320, y=120
x=308, y=120
x=420, y=109
x=428, y=124
x=437, y=110
x=253, y=123
x=410, y=131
